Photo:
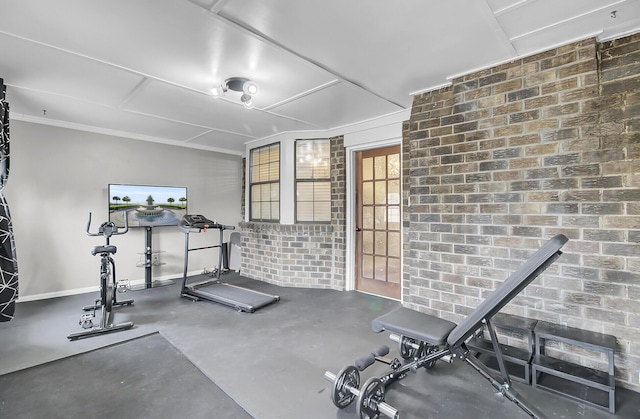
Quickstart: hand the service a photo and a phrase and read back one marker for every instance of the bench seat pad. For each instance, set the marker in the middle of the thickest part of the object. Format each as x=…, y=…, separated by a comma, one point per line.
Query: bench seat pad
x=415, y=325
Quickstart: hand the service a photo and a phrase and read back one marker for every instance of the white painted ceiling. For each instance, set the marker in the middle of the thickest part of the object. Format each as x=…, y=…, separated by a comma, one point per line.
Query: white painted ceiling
x=144, y=68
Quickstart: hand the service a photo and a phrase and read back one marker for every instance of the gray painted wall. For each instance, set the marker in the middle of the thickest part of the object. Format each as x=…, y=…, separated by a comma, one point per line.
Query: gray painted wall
x=59, y=175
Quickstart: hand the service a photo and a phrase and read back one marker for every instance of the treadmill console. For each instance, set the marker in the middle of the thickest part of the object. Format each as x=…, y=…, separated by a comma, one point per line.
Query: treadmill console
x=198, y=221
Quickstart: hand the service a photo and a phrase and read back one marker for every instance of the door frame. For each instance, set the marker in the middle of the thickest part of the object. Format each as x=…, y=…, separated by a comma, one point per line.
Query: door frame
x=350, y=225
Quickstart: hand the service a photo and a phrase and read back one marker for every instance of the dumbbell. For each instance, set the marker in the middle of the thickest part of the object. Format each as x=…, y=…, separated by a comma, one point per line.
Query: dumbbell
x=349, y=378
x=370, y=400
x=409, y=347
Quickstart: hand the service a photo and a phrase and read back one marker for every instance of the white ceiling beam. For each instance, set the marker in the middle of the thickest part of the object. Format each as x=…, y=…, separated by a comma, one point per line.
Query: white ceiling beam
x=565, y=21
x=301, y=95
x=491, y=18
x=512, y=7
x=270, y=41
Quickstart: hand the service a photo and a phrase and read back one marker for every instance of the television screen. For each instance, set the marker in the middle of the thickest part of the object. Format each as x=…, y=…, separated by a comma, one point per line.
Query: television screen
x=147, y=206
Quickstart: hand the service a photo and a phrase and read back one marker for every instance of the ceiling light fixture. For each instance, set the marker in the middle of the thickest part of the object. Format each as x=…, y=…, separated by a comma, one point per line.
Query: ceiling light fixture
x=247, y=101
x=238, y=84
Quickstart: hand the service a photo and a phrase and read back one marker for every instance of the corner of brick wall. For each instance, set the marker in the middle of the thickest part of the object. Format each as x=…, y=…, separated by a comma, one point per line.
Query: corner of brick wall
x=302, y=255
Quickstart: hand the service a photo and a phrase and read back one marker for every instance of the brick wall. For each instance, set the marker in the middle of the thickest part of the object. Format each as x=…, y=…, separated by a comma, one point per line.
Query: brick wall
x=289, y=255
x=302, y=255
x=244, y=179
x=507, y=157
x=339, y=209
x=406, y=220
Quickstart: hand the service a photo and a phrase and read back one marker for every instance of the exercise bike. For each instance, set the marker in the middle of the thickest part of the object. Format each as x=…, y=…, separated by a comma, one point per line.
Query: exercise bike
x=108, y=285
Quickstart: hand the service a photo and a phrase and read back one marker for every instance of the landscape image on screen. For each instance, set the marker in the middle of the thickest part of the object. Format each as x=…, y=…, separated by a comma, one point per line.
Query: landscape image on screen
x=147, y=206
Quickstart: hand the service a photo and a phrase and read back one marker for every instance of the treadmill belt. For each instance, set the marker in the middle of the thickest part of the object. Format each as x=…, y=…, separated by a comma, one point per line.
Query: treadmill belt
x=241, y=298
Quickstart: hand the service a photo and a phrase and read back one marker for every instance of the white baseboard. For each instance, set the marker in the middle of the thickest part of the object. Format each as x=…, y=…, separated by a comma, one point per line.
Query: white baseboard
x=76, y=291
x=56, y=294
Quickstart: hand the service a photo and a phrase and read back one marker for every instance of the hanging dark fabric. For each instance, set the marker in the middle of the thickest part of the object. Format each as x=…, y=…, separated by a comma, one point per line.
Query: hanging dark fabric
x=8, y=260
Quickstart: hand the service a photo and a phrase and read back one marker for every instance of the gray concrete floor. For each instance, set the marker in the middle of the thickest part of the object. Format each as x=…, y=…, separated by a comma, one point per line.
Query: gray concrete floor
x=117, y=381
x=272, y=362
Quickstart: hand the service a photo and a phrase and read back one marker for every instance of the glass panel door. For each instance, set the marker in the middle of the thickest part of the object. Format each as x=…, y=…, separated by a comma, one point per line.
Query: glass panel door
x=378, y=222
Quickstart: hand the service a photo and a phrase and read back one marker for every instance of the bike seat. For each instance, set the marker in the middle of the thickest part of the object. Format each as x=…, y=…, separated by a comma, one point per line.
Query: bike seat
x=103, y=249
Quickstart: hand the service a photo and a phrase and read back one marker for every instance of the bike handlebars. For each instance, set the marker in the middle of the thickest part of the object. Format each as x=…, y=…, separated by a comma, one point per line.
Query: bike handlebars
x=108, y=228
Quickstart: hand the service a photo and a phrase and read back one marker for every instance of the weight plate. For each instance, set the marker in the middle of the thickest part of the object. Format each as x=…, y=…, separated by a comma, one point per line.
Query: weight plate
x=108, y=297
x=340, y=394
x=371, y=394
x=407, y=351
x=429, y=349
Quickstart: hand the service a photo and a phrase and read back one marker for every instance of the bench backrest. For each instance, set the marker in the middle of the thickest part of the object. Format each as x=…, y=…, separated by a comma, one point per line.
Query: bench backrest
x=511, y=287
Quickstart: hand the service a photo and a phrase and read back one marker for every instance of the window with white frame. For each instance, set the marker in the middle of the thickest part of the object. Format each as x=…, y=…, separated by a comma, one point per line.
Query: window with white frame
x=264, y=183
x=313, y=181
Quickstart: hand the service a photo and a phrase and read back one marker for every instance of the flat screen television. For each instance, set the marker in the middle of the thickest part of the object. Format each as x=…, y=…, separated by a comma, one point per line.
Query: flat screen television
x=146, y=205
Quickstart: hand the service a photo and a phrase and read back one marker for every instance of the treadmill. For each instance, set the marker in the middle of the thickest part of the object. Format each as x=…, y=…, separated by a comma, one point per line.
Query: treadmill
x=208, y=286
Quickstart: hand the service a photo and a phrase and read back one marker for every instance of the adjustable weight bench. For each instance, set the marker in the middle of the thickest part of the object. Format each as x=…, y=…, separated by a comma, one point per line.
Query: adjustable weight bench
x=424, y=339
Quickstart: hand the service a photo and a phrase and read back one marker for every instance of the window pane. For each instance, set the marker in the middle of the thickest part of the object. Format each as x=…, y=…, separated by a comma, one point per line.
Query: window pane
x=305, y=211
x=324, y=147
x=265, y=210
x=380, y=167
x=367, y=193
x=367, y=266
x=322, y=211
x=394, y=218
x=367, y=241
x=322, y=191
x=304, y=169
x=273, y=173
x=305, y=191
x=275, y=192
x=367, y=218
x=274, y=153
x=381, y=243
x=313, y=184
x=393, y=166
x=263, y=156
x=263, y=175
x=393, y=193
x=393, y=248
x=312, y=159
x=381, y=192
x=265, y=194
x=265, y=182
x=381, y=268
x=255, y=193
x=367, y=168
x=381, y=218
x=255, y=211
x=322, y=170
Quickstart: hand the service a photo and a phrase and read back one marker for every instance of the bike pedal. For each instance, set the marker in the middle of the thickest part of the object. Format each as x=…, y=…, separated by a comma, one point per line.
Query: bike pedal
x=123, y=286
x=86, y=321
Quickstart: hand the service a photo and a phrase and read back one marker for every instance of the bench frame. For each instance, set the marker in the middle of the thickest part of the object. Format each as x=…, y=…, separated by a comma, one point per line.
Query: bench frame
x=438, y=339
